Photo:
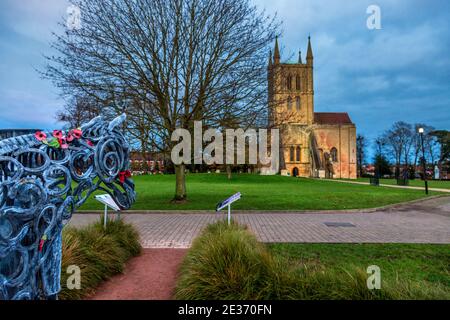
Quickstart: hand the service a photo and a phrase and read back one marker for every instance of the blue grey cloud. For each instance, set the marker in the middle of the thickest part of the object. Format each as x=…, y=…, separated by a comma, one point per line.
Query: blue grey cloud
x=401, y=72
x=26, y=100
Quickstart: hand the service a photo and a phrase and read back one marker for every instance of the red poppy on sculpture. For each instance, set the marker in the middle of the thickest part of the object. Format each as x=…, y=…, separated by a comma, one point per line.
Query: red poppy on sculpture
x=77, y=133
x=41, y=136
x=60, y=140
x=70, y=137
x=123, y=175
x=57, y=134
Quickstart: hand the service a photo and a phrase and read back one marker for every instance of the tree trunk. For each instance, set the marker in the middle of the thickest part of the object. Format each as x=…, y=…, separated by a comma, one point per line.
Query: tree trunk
x=431, y=154
x=360, y=165
x=144, y=156
x=229, y=171
x=180, y=189
x=406, y=175
x=416, y=156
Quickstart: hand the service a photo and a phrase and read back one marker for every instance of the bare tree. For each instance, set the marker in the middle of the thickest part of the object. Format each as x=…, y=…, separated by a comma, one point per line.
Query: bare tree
x=399, y=139
x=177, y=61
x=77, y=111
x=361, y=145
x=379, y=144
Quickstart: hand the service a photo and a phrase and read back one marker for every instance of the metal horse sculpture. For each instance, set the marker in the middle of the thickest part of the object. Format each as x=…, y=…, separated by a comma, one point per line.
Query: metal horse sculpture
x=42, y=182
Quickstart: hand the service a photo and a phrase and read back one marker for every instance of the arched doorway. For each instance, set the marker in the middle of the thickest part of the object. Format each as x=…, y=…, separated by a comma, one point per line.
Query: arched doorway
x=295, y=172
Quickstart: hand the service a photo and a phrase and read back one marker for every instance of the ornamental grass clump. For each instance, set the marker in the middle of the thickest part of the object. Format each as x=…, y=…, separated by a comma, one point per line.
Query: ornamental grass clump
x=227, y=262
x=99, y=253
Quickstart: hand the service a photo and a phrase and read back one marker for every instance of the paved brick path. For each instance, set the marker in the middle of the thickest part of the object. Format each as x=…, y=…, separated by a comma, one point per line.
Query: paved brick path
x=424, y=222
x=149, y=276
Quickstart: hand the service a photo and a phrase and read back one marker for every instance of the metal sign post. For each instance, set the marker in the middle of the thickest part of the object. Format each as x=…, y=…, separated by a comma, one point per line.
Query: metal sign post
x=108, y=201
x=227, y=203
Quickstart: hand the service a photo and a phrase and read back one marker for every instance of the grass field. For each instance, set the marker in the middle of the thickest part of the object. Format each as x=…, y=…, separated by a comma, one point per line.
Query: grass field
x=227, y=262
x=403, y=262
x=414, y=183
x=260, y=193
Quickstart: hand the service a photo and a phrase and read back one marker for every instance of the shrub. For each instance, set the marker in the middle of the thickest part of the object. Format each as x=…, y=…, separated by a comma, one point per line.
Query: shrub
x=227, y=262
x=99, y=253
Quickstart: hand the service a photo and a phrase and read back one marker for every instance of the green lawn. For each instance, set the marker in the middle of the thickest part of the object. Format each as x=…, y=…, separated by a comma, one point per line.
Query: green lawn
x=414, y=183
x=440, y=184
x=261, y=193
x=429, y=264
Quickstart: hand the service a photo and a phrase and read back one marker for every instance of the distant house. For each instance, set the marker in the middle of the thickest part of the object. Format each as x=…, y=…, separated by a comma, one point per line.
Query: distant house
x=152, y=162
x=9, y=133
x=369, y=169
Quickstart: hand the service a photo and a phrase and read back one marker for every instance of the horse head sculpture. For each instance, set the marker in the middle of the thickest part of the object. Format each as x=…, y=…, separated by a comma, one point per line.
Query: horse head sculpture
x=44, y=178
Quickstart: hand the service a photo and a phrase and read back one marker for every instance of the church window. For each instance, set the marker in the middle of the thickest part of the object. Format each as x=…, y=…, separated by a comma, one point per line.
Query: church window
x=297, y=83
x=334, y=155
x=289, y=103
x=297, y=154
x=289, y=82
x=297, y=103
x=291, y=154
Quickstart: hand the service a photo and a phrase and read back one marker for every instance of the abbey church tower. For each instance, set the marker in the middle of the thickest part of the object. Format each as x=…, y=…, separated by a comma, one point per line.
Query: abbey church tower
x=312, y=144
x=291, y=85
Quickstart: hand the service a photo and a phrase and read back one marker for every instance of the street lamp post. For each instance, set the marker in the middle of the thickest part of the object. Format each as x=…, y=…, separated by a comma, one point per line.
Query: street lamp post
x=421, y=130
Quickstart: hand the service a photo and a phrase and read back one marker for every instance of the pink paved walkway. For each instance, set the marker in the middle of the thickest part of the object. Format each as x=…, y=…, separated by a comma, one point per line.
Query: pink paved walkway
x=151, y=276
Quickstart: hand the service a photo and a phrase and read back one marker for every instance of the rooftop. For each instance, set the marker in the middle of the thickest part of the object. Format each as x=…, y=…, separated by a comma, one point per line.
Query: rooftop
x=332, y=118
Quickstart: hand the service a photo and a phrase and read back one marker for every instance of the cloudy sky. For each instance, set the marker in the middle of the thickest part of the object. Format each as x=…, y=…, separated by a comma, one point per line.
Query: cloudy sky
x=400, y=72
